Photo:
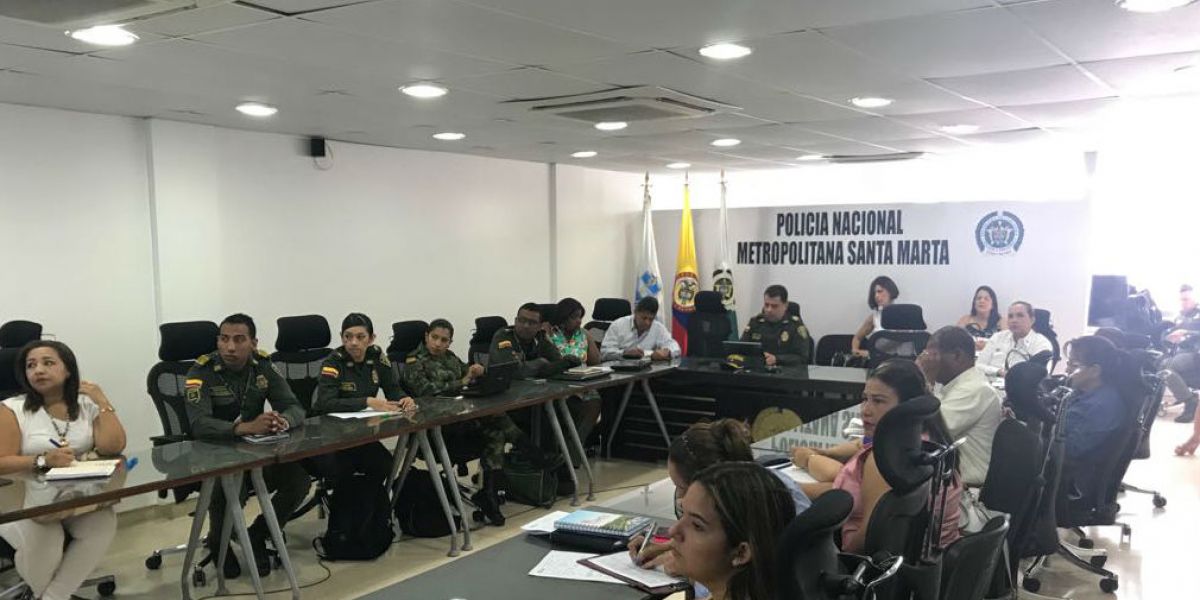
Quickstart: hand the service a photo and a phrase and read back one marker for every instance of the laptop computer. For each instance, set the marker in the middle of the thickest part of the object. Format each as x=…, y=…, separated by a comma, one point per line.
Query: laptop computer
x=632, y=364
x=583, y=373
x=751, y=353
x=495, y=379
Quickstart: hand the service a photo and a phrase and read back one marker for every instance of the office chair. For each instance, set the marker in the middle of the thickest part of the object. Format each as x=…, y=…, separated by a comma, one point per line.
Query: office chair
x=1149, y=360
x=180, y=344
x=903, y=334
x=15, y=334
x=549, y=312
x=968, y=563
x=1043, y=325
x=709, y=326
x=406, y=337
x=106, y=585
x=481, y=338
x=1013, y=487
x=829, y=345
x=301, y=346
x=9, y=386
x=604, y=312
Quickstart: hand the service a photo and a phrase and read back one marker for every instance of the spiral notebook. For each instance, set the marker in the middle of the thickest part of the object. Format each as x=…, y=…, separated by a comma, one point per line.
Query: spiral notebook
x=600, y=523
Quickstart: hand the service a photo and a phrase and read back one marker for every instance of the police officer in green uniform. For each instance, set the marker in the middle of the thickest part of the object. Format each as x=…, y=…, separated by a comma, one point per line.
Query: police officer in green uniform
x=350, y=379
x=432, y=369
x=226, y=392
x=526, y=343
x=784, y=338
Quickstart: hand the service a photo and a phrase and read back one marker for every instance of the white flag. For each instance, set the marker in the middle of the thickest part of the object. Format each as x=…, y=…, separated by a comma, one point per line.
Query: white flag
x=722, y=272
x=649, y=280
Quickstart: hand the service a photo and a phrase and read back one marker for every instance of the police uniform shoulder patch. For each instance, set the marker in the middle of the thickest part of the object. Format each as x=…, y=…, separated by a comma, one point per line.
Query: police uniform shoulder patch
x=261, y=382
x=410, y=360
x=784, y=337
x=504, y=344
x=262, y=354
x=203, y=360
x=384, y=360
x=330, y=371
x=795, y=318
x=192, y=387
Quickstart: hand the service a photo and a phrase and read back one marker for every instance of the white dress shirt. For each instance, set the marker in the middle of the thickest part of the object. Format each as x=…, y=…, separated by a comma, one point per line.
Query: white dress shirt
x=622, y=335
x=1001, y=350
x=972, y=410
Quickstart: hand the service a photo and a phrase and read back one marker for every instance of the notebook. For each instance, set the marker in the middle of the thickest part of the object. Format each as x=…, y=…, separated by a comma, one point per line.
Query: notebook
x=84, y=470
x=600, y=523
x=565, y=565
x=620, y=566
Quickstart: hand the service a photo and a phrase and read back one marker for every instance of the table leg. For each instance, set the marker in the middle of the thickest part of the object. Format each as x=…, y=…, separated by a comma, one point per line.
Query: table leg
x=570, y=423
x=566, y=450
x=612, y=432
x=662, y=426
x=206, y=491
x=223, y=548
x=397, y=459
x=439, y=445
x=268, y=512
x=232, y=486
x=432, y=463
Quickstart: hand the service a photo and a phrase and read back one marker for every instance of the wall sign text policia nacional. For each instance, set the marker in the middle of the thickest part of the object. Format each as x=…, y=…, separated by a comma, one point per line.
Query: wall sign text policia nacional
x=877, y=239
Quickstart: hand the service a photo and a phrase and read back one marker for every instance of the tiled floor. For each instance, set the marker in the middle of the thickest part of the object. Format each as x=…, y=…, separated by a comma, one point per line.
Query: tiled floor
x=1156, y=565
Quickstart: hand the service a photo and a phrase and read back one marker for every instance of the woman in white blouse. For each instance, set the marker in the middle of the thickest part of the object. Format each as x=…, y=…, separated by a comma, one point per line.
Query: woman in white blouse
x=57, y=419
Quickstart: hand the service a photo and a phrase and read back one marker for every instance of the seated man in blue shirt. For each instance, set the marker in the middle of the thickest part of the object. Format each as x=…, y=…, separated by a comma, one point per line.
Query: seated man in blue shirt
x=1105, y=378
x=638, y=335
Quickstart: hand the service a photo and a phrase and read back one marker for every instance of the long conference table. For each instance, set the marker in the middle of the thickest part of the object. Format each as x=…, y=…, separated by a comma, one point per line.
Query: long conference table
x=227, y=464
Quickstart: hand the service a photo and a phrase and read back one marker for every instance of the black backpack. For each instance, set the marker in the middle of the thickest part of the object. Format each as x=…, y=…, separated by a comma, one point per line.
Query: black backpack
x=359, y=528
x=417, y=508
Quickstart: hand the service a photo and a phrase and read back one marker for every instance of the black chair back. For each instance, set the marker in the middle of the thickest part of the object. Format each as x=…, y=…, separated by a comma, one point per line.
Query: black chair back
x=1043, y=325
x=15, y=334
x=1013, y=483
x=832, y=344
x=1088, y=491
x=968, y=564
x=604, y=312
x=301, y=346
x=708, y=326
x=793, y=310
x=807, y=556
x=901, y=517
x=9, y=385
x=481, y=339
x=549, y=312
x=406, y=337
x=902, y=335
x=1021, y=385
x=180, y=344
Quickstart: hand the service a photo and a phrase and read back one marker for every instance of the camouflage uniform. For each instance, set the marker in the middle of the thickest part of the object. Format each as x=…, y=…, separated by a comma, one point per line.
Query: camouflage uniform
x=426, y=375
x=787, y=338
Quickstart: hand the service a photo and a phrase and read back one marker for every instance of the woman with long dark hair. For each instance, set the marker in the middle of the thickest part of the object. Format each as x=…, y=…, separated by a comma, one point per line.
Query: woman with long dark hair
x=883, y=292
x=984, y=319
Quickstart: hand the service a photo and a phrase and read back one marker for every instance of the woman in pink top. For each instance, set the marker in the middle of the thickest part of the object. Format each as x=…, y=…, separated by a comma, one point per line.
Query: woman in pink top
x=851, y=466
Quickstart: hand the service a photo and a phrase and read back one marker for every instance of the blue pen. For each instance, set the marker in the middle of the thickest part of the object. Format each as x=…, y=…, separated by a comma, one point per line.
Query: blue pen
x=54, y=442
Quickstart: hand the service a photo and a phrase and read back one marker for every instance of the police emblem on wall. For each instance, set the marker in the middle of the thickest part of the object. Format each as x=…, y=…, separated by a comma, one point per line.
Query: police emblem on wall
x=999, y=232
x=686, y=287
x=723, y=284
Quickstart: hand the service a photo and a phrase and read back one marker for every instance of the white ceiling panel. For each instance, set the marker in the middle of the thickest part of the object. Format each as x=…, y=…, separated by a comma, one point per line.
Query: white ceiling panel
x=868, y=129
x=682, y=23
x=1019, y=136
x=1150, y=75
x=778, y=135
x=525, y=83
x=299, y=6
x=807, y=62
x=16, y=57
x=986, y=119
x=211, y=18
x=909, y=99
x=937, y=145
x=951, y=44
x=1090, y=30
x=1078, y=113
x=305, y=43
x=1034, y=86
x=469, y=30
x=848, y=149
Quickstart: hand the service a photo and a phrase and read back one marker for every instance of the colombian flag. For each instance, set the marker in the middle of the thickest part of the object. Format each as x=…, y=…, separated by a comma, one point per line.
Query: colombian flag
x=687, y=280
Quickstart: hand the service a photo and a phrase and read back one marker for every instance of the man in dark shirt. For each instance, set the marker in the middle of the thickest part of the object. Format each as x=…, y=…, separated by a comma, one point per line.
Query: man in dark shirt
x=1183, y=369
x=784, y=338
x=526, y=343
x=226, y=395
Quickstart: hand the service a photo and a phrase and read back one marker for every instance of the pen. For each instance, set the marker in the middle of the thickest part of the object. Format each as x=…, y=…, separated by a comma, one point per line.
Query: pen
x=54, y=442
x=646, y=540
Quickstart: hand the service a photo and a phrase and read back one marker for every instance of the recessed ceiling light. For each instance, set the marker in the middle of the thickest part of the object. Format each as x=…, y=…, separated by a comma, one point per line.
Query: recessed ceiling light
x=726, y=142
x=1151, y=6
x=959, y=129
x=725, y=51
x=449, y=136
x=256, y=109
x=679, y=165
x=105, y=35
x=611, y=125
x=811, y=157
x=870, y=101
x=583, y=154
x=423, y=90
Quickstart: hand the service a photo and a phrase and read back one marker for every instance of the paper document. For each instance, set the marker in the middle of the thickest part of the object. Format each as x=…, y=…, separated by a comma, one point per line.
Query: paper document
x=565, y=565
x=797, y=474
x=84, y=470
x=544, y=523
x=620, y=565
x=362, y=414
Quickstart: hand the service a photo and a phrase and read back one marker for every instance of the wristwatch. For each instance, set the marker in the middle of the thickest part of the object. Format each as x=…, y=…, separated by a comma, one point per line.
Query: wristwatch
x=39, y=463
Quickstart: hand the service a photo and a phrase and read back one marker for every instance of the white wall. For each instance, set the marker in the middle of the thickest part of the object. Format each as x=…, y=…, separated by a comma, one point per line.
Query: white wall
x=598, y=233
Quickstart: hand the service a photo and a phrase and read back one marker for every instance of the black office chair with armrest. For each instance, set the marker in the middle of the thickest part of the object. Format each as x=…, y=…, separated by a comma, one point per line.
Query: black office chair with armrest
x=15, y=334
x=106, y=585
x=301, y=346
x=1149, y=361
x=709, y=326
x=1043, y=325
x=604, y=312
x=406, y=337
x=829, y=345
x=968, y=564
x=903, y=334
x=9, y=386
x=793, y=310
x=481, y=338
x=180, y=344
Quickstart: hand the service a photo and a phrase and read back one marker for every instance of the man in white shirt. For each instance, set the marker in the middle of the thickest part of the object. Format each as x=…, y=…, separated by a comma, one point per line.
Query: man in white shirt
x=639, y=335
x=1015, y=345
x=970, y=407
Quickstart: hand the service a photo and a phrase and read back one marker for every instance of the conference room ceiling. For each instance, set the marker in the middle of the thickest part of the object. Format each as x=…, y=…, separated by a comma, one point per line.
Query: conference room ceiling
x=1021, y=71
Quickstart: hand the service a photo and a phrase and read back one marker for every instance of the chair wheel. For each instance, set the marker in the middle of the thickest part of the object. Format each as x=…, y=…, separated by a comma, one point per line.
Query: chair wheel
x=1098, y=560
x=199, y=579
x=107, y=588
x=1086, y=543
x=1159, y=501
x=1031, y=584
x=154, y=562
x=1108, y=586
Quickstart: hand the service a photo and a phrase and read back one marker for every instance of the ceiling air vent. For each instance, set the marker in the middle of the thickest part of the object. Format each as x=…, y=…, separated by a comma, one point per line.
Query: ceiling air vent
x=85, y=13
x=866, y=158
x=636, y=104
